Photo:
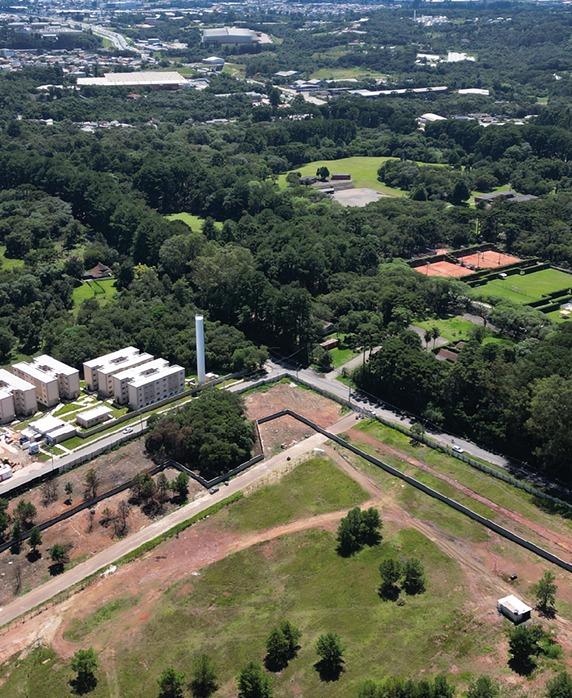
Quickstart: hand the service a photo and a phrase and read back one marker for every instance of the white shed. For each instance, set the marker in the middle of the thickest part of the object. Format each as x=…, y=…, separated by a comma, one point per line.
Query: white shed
x=514, y=609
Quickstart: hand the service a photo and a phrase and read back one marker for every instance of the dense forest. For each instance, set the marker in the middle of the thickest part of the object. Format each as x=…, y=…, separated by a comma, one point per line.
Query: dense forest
x=269, y=264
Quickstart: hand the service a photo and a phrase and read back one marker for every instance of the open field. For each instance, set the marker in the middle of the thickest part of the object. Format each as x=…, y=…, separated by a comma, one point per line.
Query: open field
x=6, y=263
x=220, y=586
x=194, y=222
x=527, y=287
x=353, y=73
x=103, y=291
x=452, y=329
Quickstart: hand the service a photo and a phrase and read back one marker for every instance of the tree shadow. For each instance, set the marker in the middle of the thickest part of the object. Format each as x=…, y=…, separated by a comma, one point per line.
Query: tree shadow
x=547, y=612
x=274, y=664
x=83, y=685
x=389, y=592
x=372, y=538
x=56, y=568
x=524, y=666
x=328, y=672
x=33, y=555
x=16, y=547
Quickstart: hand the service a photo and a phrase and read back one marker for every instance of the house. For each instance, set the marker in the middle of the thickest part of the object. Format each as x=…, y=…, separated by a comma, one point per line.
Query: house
x=514, y=609
x=99, y=271
x=331, y=343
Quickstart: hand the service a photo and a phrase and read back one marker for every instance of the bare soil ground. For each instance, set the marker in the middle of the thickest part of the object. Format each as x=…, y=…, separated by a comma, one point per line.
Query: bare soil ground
x=282, y=433
x=83, y=534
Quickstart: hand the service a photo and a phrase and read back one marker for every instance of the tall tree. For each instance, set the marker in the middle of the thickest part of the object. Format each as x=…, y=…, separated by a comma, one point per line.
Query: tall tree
x=171, y=684
x=85, y=664
x=253, y=682
x=204, y=680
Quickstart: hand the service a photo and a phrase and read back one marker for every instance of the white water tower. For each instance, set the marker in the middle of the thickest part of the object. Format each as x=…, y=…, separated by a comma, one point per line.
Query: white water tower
x=200, y=343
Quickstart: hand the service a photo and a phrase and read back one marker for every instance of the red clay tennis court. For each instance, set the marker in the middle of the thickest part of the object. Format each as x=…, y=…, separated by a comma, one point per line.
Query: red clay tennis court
x=443, y=268
x=488, y=259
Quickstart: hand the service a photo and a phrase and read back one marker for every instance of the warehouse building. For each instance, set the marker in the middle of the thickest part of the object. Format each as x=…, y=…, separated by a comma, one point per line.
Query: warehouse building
x=162, y=79
x=233, y=36
x=154, y=385
x=17, y=397
x=98, y=373
x=53, y=380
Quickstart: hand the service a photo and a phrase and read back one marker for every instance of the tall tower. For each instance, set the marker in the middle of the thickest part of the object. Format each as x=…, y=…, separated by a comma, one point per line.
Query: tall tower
x=200, y=342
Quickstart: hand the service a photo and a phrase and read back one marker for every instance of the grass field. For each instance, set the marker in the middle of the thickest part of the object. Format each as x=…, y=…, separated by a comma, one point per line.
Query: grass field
x=103, y=291
x=526, y=288
x=7, y=264
x=362, y=169
x=194, y=222
x=314, y=487
x=345, y=74
x=452, y=329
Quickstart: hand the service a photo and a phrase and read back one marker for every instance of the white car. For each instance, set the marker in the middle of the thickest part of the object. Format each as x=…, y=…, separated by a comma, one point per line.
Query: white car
x=127, y=430
x=457, y=449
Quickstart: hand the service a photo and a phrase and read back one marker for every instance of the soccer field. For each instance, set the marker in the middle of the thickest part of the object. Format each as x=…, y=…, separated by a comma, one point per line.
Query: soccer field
x=526, y=288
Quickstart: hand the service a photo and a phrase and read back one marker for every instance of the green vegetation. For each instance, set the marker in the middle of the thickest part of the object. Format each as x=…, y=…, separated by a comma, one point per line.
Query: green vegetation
x=452, y=329
x=82, y=627
x=7, y=263
x=345, y=73
x=316, y=486
x=102, y=291
x=527, y=287
x=194, y=222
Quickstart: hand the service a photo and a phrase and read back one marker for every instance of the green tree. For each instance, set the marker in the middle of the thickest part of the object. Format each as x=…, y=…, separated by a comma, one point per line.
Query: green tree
x=293, y=636
x=277, y=650
x=4, y=517
x=550, y=412
x=560, y=686
x=442, y=688
x=523, y=647
x=68, y=489
x=482, y=687
x=331, y=656
x=59, y=556
x=90, y=485
x=253, y=682
x=391, y=571
x=323, y=173
x=204, y=680
x=171, y=684
x=180, y=486
x=545, y=591
x=85, y=664
x=25, y=512
x=460, y=193
x=16, y=537
x=35, y=540
x=414, y=576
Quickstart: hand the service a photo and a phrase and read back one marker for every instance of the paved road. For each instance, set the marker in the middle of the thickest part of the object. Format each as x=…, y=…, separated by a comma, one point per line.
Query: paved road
x=103, y=559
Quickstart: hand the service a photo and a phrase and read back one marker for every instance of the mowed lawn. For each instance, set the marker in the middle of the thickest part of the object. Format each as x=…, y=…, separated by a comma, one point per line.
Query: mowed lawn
x=527, y=287
x=452, y=329
x=103, y=291
x=194, y=222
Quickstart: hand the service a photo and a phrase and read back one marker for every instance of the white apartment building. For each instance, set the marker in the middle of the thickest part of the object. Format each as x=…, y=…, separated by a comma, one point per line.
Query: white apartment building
x=52, y=379
x=98, y=373
x=17, y=397
x=121, y=380
x=155, y=385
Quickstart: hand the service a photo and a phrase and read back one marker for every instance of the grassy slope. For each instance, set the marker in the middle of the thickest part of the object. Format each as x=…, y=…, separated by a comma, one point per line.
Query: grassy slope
x=6, y=263
x=103, y=291
x=315, y=487
x=452, y=329
x=194, y=222
x=345, y=73
x=526, y=288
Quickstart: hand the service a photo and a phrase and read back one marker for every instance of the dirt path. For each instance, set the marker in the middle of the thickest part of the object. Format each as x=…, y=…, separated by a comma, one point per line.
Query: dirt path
x=561, y=541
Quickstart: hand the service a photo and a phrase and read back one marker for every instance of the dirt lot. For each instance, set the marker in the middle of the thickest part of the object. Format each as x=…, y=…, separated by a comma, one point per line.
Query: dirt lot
x=83, y=534
x=282, y=433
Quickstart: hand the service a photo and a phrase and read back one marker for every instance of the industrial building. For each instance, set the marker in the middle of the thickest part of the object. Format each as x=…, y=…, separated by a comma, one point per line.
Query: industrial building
x=17, y=397
x=165, y=79
x=53, y=380
x=122, y=380
x=233, y=36
x=154, y=385
x=514, y=609
x=89, y=418
x=98, y=373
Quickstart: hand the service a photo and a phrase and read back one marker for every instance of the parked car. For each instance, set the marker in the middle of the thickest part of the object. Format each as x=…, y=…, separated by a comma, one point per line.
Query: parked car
x=213, y=490
x=458, y=449
x=127, y=430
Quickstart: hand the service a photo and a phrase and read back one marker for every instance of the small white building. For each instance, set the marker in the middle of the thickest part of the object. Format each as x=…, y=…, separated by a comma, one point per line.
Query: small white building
x=96, y=415
x=52, y=429
x=5, y=472
x=514, y=609
x=214, y=62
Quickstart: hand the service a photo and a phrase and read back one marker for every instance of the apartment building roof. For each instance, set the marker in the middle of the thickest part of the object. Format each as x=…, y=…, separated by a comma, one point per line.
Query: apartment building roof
x=143, y=369
x=151, y=375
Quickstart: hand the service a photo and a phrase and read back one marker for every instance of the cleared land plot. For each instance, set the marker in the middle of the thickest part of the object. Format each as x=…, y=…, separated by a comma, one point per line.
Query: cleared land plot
x=452, y=329
x=489, y=259
x=443, y=268
x=344, y=73
x=102, y=291
x=194, y=222
x=286, y=431
x=525, y=288
x=360, y=196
